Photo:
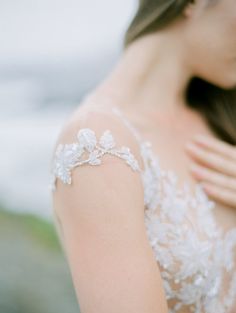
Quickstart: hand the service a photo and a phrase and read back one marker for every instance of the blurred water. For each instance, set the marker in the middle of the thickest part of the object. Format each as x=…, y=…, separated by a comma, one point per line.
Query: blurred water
x=52, y=53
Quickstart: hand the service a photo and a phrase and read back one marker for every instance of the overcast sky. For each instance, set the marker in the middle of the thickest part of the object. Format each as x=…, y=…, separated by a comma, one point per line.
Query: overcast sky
x=49, y=36
x=32, y=29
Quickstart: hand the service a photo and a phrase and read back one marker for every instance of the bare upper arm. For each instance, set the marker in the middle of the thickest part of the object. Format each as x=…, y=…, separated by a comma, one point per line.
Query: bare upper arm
x=102, y=220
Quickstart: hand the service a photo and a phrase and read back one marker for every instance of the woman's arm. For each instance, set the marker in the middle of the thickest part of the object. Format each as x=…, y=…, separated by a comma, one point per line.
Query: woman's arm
x=102, y=218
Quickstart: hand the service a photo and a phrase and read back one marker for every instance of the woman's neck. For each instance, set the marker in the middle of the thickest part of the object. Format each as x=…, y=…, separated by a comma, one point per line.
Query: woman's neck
x=152, y=71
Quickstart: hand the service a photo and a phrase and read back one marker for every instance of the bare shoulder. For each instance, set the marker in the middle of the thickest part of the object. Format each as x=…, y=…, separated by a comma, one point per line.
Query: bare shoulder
x=99, y=204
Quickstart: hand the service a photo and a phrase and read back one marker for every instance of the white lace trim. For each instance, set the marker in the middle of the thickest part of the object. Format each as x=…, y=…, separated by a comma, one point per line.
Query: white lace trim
x=69, y=156
x=189, y=246
x=187, y=242
x=193, y=253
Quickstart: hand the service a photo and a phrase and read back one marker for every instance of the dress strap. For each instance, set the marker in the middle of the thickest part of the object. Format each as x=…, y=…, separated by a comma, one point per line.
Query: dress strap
x=127, y=122
x=117, y=110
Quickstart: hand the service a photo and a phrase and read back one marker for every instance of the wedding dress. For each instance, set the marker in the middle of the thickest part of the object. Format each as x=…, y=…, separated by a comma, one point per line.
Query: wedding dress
x=196, y=257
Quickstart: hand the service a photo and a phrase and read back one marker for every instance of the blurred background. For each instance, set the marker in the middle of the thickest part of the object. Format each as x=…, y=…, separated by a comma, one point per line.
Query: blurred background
x=52, y=52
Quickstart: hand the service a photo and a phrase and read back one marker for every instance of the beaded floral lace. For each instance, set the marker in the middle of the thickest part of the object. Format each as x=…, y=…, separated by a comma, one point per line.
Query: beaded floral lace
x=196, y=258
x=87, y=149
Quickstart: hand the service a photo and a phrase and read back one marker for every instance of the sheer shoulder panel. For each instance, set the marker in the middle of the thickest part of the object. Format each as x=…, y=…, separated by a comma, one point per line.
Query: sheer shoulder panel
x=99, y=202
x=101, y=134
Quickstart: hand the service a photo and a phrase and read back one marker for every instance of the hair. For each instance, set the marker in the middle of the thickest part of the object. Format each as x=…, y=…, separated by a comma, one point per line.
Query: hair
x=216, y=105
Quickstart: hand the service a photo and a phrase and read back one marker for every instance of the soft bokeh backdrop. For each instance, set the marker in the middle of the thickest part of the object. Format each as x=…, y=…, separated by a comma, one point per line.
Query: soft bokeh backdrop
x=52, y=53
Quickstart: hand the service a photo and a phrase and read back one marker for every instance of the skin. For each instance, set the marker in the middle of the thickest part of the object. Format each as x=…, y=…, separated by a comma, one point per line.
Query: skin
x=153, y=73
x=214, y=164
x=111, y=260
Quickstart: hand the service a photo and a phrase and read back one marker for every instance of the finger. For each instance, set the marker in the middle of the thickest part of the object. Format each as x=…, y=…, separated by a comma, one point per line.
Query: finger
x=208, y=175
x=225, y=196
x=214, y=144
x=212, y=160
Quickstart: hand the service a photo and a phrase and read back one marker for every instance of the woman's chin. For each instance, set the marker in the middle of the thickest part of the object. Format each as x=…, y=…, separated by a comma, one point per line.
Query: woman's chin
x=227, y=84
x=230, y=85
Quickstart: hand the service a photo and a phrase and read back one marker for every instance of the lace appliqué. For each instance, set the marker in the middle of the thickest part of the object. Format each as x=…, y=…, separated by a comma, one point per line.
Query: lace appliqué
x=69, y=156
x=193, y=253
x=189, y=246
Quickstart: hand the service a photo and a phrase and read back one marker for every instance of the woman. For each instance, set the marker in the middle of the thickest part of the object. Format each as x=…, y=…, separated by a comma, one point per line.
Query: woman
x=139, y=231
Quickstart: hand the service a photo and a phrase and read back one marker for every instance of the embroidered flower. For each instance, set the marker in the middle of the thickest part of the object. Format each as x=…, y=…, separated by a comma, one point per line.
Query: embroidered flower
x=187, y=242
x=87, y=139
x=89, y=150
x=65, y=158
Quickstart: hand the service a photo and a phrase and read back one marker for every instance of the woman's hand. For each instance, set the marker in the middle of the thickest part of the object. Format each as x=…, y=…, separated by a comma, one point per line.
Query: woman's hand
x=216, y=168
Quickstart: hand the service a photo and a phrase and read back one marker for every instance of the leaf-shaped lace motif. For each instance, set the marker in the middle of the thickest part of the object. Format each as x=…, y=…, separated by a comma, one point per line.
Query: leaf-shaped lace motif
x=69, y=156
x=188, y=244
